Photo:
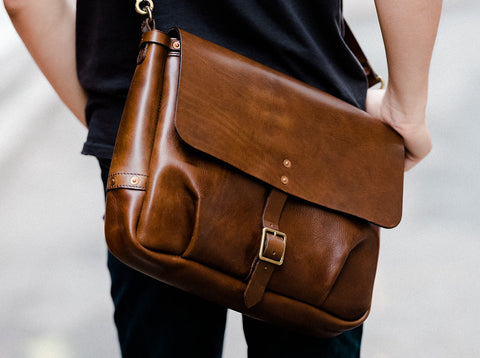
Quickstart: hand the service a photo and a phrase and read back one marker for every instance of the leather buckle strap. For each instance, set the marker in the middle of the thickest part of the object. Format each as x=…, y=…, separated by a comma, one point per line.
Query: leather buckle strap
x=272, y=249
x=271, y=246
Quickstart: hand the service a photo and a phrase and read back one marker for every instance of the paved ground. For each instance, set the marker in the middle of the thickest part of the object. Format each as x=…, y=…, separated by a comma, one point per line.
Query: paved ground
x=54, y=286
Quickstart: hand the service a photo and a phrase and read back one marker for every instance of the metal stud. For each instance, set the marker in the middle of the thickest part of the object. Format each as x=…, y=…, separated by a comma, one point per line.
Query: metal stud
x=176, y=45
x=134, y=180
x=287, y=163
x=284, y=180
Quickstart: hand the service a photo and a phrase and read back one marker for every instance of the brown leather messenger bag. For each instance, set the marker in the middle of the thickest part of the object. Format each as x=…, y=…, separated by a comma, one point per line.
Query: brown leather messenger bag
x=249, y=188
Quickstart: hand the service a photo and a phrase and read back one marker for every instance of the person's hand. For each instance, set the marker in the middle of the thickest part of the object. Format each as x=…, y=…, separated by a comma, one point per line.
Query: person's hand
x=408, y=122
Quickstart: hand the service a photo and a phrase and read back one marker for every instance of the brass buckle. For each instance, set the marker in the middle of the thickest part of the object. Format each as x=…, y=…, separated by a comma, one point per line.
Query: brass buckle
x=276, y=233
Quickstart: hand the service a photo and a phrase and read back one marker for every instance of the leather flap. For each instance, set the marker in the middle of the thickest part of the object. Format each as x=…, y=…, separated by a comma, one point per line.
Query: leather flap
x=290, y=135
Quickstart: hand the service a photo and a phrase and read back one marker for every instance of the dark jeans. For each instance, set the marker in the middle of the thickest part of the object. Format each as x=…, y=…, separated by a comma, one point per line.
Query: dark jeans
x=156, y=320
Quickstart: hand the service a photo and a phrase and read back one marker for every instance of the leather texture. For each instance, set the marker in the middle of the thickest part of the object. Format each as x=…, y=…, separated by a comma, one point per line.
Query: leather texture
x=212, y=149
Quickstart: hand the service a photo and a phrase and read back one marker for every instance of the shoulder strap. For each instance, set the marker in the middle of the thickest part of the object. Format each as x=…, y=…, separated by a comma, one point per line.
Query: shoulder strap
x=145, y=7
x=354, y=46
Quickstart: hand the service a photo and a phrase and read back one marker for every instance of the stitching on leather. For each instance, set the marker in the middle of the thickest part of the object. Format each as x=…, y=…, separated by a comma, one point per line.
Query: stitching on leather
x=127, y=186
x=142, y=175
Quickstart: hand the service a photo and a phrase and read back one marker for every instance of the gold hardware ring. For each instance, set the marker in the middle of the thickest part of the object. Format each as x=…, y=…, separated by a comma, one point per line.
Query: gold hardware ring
x=382, y=83
x=147, y=7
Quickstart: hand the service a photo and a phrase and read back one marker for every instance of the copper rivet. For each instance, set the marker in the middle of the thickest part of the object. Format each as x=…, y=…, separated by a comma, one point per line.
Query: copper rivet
x=113, y=180
x=287, y=163
x=266, y=268
x=134, y=180
x=284, y=180
x=274, y=253
x=176, y=45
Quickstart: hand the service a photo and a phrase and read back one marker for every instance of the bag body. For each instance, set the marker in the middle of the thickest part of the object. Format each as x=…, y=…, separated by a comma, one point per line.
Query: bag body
x=249, y=188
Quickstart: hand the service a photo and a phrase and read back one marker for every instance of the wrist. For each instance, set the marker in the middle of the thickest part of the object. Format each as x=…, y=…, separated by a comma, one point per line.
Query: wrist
x=409, y=100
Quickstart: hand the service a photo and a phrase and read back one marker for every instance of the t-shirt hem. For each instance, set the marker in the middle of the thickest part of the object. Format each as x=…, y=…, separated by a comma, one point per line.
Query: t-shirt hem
x=99, y=150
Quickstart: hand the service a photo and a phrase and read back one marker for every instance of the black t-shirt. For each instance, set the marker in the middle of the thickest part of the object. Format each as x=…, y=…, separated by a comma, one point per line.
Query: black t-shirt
x=302, y=38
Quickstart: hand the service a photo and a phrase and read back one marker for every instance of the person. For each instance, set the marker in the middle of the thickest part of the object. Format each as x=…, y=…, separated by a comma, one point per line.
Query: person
x=87, y=50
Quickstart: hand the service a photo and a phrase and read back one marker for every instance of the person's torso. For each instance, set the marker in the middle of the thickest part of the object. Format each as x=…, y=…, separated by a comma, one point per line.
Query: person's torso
x=302, y=38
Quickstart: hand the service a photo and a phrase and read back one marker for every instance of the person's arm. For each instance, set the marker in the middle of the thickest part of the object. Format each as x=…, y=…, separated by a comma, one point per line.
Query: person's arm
x=409, y=29
x=47, y=27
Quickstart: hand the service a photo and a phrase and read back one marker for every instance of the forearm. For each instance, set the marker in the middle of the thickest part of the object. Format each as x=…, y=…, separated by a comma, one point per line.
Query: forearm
x=409, y=29
x=47, y=28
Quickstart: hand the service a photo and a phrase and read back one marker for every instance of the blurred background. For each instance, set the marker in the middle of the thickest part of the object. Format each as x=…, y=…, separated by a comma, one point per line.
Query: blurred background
x=54, y=286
